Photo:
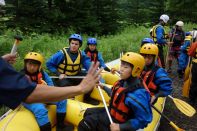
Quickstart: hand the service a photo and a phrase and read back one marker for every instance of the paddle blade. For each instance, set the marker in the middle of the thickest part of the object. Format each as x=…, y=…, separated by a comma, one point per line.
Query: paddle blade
x=187, y=72
x=176, y=127
x=184, y=107
x=186, y=87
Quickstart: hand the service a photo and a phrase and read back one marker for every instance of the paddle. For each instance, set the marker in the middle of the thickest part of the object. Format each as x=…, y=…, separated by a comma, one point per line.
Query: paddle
x=184, y=107
x=16, y=43
x=187, y=74
x=186, y=87
x=105, y=105
x=170, y=122
x=68, y=77
x=169, y=46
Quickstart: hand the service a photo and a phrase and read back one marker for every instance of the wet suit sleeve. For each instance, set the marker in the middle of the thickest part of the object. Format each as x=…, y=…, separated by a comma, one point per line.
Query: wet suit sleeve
x=163, y=82
x=139, y=102
x=54, y=61
x=14, y=87
x=47, y=79
x=102, y=63
x=86, y=62
x=160, y=36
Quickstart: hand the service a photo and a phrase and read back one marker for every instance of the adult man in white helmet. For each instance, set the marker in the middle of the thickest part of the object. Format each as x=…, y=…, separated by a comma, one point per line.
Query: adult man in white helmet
x=165, y=18
x=177, y=36
x=159, y=36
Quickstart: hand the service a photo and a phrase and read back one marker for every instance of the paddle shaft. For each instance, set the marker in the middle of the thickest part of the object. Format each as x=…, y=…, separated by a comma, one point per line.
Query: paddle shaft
x=16, y=42
x=105, y=105
x=170, y=122
x=169, y=46
x=69, y=77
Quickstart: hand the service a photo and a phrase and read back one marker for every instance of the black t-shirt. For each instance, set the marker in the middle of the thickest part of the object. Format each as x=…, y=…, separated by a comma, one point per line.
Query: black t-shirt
x=14, y=87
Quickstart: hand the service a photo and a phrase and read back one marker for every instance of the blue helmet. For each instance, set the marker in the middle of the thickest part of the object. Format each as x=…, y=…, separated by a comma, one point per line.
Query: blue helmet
x=147, y=40
x=187, y=33
x=91, y=41
x=76, y=37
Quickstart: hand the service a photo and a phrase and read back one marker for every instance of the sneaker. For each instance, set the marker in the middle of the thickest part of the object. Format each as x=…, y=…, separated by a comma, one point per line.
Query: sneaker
x=169, y=70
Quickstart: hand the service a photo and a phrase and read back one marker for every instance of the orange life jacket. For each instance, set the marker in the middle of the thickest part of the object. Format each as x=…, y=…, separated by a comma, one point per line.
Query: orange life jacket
x=37, y=78
x=118, y=110
x=93, y=56
x=148, y=77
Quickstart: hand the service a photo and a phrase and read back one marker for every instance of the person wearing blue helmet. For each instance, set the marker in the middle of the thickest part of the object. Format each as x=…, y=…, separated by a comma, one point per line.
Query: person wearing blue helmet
x=69, y=62
x=92, y=52
x=94, y=55
x=146, y=40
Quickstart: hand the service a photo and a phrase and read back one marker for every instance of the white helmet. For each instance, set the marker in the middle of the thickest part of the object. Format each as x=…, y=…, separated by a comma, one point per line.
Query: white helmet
x=194, y=34
x=179, y=23
x=164, y=17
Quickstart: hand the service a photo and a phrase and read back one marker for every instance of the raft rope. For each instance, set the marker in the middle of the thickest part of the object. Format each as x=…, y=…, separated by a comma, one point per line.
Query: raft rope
x=9, y=120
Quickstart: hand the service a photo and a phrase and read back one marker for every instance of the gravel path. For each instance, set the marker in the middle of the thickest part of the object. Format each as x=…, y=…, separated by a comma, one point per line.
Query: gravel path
x=184, y=122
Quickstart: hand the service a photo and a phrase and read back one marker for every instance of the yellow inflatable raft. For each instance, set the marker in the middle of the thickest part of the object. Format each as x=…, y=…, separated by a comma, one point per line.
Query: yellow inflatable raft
x=22, y=119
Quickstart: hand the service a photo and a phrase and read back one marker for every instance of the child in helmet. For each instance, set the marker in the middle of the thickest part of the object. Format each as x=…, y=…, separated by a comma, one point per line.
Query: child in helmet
x=33, y=70
x=69, y=62
x=150, y=41
x=183, y=58
x=130, y=102
x=155, y=77
x=92, y=52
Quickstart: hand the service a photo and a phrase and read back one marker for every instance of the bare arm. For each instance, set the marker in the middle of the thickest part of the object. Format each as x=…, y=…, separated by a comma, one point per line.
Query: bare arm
x=44, y=93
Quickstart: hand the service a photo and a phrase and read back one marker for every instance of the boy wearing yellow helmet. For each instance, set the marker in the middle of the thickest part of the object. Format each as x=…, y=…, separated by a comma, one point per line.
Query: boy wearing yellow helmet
x=154, y=76
x=33, y=62
x=127, y=94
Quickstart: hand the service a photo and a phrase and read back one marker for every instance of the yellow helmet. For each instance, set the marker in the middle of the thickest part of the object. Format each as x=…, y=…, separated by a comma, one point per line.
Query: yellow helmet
x=136, y=60
x=35, y=56
x=149, y=49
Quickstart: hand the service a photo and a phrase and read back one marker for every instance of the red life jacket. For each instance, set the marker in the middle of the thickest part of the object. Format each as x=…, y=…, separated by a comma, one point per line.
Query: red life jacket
x=148, y=77
x=36, y=78
x=93, y=56
x=118, y=110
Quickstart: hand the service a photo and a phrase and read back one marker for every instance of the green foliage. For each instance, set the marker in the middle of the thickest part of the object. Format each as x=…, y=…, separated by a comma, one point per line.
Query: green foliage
x=93, y=17
x=127, y=40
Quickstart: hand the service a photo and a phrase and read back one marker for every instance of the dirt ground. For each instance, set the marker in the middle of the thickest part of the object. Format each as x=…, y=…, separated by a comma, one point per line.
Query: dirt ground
x=182, y=121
